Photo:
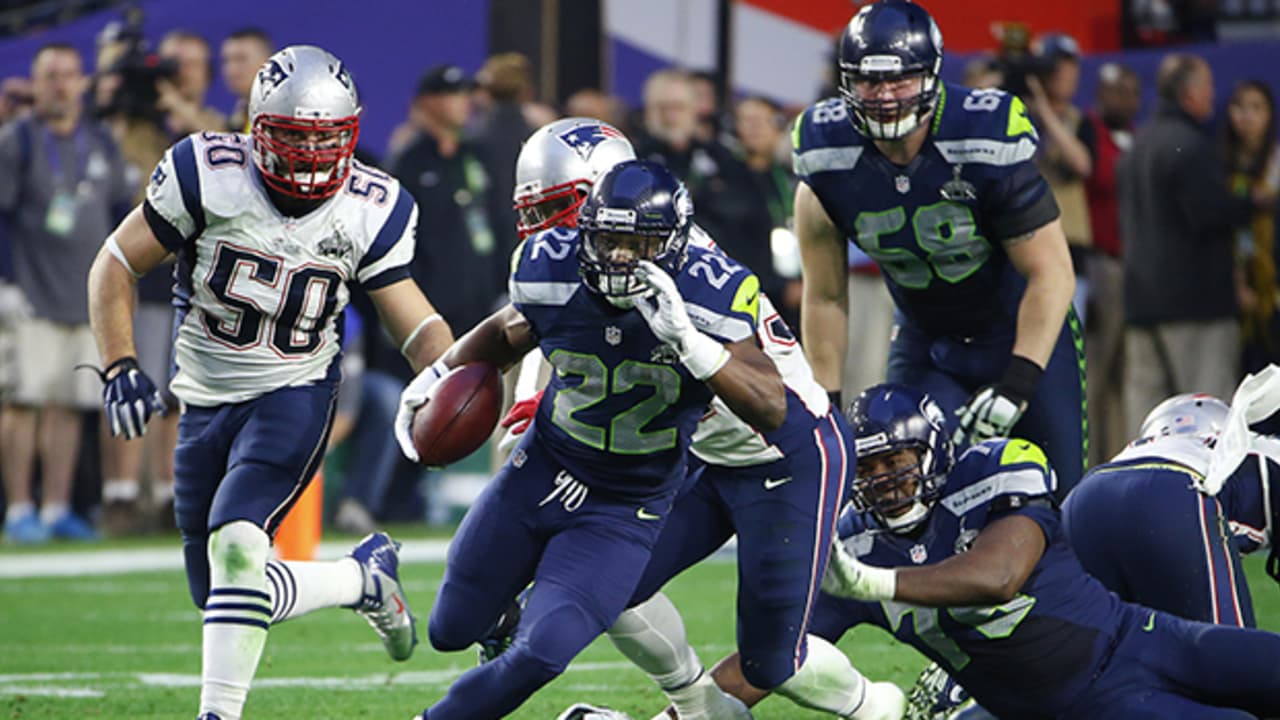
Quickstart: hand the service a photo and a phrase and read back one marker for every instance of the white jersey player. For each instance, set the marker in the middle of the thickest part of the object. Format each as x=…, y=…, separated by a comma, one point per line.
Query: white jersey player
x=266, y=230
x=778, y=493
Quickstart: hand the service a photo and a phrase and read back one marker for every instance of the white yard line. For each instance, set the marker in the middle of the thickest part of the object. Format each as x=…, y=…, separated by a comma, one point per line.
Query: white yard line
x=115, y=562
x=75, y=563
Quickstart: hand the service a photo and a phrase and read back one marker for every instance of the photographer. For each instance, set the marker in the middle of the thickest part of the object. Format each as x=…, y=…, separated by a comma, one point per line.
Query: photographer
x=1052, y=79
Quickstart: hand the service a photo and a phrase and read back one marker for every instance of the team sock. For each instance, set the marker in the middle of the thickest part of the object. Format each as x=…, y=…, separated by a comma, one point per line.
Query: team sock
x=236, y=617
x=297, y=588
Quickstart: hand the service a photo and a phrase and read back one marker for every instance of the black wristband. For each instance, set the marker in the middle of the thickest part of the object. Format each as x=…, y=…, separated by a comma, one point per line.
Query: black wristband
x=128, y=362
x=834, y=396
x=1020, y=379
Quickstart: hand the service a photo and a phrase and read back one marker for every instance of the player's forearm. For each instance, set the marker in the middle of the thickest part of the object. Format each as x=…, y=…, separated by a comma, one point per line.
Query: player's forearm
x=728, y=676
x=427, y=343
x=824, y=334
x=499, y=339
x=111, y=298
x=1042, y=311
x=959, y=581
x=750, y=385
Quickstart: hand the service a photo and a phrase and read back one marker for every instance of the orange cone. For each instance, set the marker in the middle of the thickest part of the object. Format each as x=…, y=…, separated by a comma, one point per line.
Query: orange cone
x=299, y=533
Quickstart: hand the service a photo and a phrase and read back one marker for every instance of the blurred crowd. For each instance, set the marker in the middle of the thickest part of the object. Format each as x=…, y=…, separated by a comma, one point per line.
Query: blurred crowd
x=1176, y=273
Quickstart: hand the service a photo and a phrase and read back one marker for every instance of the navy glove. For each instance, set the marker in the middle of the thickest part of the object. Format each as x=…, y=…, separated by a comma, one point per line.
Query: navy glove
x=995, y=409
x=129, y=398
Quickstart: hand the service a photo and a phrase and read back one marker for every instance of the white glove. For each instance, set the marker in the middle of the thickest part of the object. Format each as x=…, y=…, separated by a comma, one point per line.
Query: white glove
x=415, y=395
x=848, y=577
x=13, y=304
x=669, y=320
x=990, y=413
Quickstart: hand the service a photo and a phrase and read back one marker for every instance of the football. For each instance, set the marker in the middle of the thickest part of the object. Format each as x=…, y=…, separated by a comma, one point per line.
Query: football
x=461, y=414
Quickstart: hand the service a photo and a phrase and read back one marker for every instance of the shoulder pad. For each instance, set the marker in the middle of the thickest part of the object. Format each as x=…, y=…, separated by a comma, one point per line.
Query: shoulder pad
x=722, y=296
x=995, y=469
x=984, y=127
x=823, y=139
x=544, y=268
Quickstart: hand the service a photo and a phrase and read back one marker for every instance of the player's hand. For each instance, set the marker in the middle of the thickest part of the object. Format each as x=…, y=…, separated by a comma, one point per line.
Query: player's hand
x=129, y=398
x=665, y=311
x=848, y=577
x=668, y=318
x=517, y=420
x=14, y=305
x=415, y=395
x=990, y=413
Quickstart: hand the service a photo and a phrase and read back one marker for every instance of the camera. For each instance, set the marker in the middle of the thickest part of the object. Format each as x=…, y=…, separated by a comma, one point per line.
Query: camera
x=137, y=68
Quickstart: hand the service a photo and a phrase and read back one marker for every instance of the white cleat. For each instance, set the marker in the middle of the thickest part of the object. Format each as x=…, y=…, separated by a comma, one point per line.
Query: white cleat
x=384, y=603
x=583, y=711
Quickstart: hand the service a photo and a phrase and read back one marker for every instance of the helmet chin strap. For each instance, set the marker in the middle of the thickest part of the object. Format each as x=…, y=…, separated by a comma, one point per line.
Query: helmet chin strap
x=908, y=520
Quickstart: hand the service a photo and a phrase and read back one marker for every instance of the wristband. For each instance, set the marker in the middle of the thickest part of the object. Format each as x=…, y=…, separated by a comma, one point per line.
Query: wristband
x=1020, y=379
x=702, y=356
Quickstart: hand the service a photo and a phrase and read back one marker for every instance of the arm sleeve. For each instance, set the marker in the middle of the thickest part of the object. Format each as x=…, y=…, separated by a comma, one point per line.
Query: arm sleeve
x=388, y=257
x=1019, y=200
x=174, y=209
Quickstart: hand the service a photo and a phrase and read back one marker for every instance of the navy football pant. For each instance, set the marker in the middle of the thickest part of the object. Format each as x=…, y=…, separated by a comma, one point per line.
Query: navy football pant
x=784, y=514
x=1167, y=667
x=952, y=370
x=584, y=550
x=1152, y=539
x=245, y=461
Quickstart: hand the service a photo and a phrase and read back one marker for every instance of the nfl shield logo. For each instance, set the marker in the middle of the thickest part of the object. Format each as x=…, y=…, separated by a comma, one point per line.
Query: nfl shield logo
x=903, y=184
x=613, y=335
x=919, y=554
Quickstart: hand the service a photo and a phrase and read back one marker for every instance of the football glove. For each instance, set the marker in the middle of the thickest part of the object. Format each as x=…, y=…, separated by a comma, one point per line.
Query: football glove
x=936, y=696
x=993, y=410
x=517, y=420
x=668, y=318
x=848, y=577
x=129, y=398
x=415, y=395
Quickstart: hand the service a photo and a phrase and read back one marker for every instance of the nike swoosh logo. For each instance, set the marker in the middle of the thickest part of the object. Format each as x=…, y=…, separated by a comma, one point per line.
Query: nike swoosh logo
x=646, y=515
x=771, y=483
x=399, y=605
x=1151, y=623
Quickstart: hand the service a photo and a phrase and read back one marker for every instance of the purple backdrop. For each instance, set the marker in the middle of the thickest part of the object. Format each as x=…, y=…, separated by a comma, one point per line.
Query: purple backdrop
x=387, y=44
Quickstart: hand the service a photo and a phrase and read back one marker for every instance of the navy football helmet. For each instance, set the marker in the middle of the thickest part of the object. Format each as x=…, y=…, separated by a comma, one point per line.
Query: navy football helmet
x=891, y=417
x=887, y=43
x=637, y=211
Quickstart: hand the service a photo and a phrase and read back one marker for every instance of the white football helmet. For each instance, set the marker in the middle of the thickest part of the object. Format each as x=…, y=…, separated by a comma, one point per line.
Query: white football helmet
x=305, y=118
x=557, y=166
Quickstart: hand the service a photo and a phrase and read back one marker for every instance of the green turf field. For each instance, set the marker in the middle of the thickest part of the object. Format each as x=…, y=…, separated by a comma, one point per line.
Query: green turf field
x=128, y=646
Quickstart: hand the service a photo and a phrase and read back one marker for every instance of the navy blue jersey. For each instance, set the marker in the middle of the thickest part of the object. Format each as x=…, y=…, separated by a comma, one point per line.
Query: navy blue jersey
x=620, y=408
x=936, y=227
x=1027, y=658
x=1246, y=497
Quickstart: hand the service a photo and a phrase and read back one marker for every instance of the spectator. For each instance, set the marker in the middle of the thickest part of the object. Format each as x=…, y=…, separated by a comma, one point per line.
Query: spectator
x=62, y=189
x=1107, y=132
x=758, y=123
x=720, y=184
x=707, y=105
x=508, y=80
x=1177, y=222
x=182, y=98
x=982, y=72
x=15, y=98
x=243, y=52
x=1253, y=166
x=457, y=256
x=590, y=102
x=1063, y=160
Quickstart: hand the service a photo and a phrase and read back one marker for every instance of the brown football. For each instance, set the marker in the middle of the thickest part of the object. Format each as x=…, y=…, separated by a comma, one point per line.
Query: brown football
x=460, y=416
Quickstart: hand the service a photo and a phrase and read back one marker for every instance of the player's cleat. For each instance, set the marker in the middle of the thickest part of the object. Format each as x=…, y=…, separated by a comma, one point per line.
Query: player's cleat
x=72, y=527
x=26, y=530
x=936, y=696
x=498, y=640
x=583, y=711
x=384, y=603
